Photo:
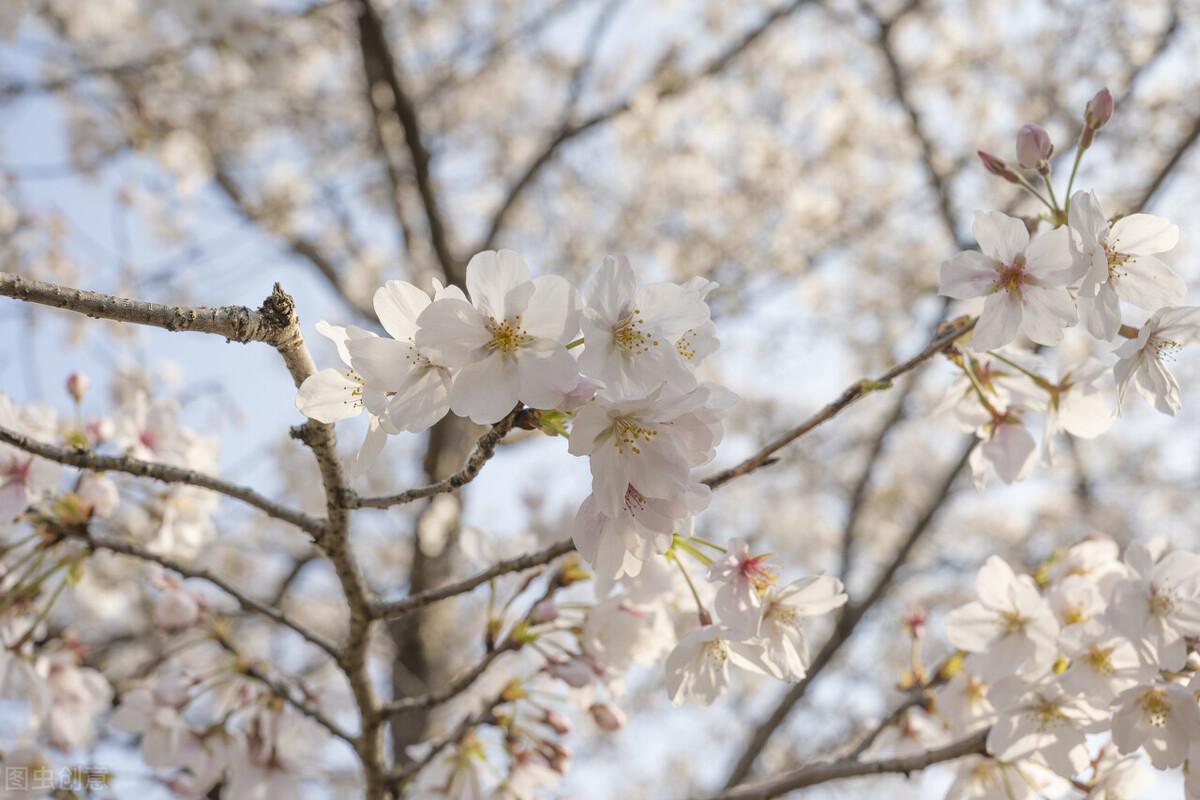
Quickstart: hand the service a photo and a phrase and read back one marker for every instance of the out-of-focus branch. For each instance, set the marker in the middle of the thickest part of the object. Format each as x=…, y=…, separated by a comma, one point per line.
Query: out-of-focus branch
x=245, y=601
x=398, y=608
x=1168, y=166
x=485, y=448
x=851, y=767
x=166, y=473
x=456, y=687
x=253, y=672
x=848, y=621
x=382, y=68
x=299, y=245
x=938, y=182
x=944, y=339
x=568, y=130
x=274, y=323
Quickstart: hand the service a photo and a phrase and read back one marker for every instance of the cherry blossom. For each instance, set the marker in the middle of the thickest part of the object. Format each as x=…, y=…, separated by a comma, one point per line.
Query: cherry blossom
x=1143, y=359
x=630, y=331
x=1119, y=262
x=1162, y=719
x=508, y=342
x=1010, y=621
x=1023, y=279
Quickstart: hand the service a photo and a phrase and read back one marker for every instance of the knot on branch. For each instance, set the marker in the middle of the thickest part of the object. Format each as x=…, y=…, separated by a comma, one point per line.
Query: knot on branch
x=303, y=432
x=279, y=309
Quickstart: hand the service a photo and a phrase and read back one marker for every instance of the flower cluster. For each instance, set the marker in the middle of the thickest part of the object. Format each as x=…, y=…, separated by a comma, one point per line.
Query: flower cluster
x=637, y=409
x=1084, y=266
x=1074, y=671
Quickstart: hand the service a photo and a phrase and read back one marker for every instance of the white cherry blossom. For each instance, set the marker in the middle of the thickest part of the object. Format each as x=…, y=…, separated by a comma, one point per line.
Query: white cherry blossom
x=408, y=390
x=1143, y=361
x=1159, y=604
x=1042, y=721
x=1023, y=280
x=508, y=342
x=630, y=331
x=1161, y=718
x=699, y=664
x=1119, y=262
x=781, y=626
x=1010, y=621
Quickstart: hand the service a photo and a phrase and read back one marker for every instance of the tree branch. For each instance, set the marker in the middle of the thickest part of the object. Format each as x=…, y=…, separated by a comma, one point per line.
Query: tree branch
x=944, y=339
x=398, y=608
x=848, y=621
x=456, y=687
x=381, y=67
x=245, y=601
x=84, y=459
x=485, y=448
x=851, y=767
x=568, y=130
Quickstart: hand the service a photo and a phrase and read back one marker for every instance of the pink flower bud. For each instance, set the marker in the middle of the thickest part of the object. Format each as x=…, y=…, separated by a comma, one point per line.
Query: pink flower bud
x=544, y=611
x=609, y=718
x=560, y=724
x=997, y=167
x=576, y=673
x=176, y=609
x=1033, y=147
x=77, y=385
x=1099, y=110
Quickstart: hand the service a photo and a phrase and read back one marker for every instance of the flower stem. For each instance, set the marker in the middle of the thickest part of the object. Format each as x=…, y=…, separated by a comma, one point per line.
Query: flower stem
x=695, y=594
x=574, y=344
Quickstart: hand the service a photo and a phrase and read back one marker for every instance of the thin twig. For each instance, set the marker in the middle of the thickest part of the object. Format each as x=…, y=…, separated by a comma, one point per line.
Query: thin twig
x=245, y=601
x=398, y=608
x=568, y=130
x=456, y=687
x=848, y=621
x=485, y=448
x=944, y=339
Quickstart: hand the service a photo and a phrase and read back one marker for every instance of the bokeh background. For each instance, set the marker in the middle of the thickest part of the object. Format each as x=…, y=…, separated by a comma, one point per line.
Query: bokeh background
x=815, y=158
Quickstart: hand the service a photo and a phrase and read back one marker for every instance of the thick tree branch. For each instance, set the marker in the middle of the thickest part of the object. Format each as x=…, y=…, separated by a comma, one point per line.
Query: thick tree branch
x=851, y=767
x=274, y=323
x=944, y=339
x=382, y=68
x=84, y=459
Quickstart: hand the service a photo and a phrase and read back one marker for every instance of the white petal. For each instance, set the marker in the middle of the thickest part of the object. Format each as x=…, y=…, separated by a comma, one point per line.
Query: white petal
x=1047, y=312
x=553, y=310
x=491, y=276
x=1143, y=234
x=1000, y=236
x=1048, y=256
x=999, y=322
x=398, y=304
x=1149, y=282
x=610, y=291
x=452, y=333
x=328, y=396
x=966, y=275
x=486, y=390
x=546, y=372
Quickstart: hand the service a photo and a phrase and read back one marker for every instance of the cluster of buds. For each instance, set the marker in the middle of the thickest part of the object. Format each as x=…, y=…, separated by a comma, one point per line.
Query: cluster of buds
x=1034, y=147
